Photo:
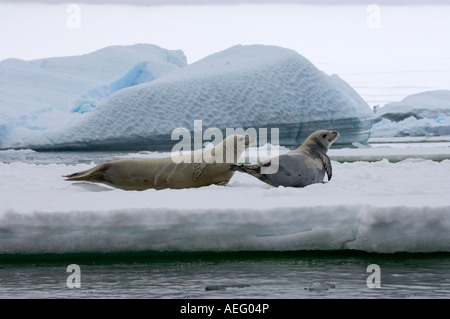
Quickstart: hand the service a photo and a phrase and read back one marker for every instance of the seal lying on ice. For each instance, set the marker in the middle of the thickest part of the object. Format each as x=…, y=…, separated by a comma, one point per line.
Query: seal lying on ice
x=179, y=171
x=298, y=168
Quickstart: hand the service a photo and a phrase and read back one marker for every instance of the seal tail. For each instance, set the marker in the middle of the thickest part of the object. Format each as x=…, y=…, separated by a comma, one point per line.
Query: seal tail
x=96, y=174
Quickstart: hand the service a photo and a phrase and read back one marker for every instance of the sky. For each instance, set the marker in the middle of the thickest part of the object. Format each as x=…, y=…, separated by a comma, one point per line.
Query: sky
x=207, y=2
x=403, y=49
x=31, y=31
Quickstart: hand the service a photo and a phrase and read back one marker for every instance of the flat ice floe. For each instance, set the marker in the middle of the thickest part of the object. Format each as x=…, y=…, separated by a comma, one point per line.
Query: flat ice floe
x=371, y=206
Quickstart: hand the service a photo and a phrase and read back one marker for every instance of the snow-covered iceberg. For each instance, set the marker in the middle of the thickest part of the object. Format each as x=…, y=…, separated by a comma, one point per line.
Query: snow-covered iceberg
x=40, y=94
x=142, y=72
x=429, y=104
x=242, y=87
x=422, y=114
x=412, y=126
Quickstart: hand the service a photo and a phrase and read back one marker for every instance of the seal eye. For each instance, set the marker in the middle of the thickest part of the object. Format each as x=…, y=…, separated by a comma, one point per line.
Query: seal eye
x=324, y=135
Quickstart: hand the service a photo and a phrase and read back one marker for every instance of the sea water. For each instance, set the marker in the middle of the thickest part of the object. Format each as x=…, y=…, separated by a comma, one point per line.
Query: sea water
x=229, y=275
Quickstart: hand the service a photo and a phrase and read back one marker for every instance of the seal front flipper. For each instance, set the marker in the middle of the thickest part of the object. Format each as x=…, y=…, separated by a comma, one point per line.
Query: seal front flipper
x=201, y=162
x=326, y=163
x=199, y=169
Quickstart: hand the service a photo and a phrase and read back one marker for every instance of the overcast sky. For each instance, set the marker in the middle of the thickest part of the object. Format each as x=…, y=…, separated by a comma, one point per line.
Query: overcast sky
x=199, y=2
x=382, y=44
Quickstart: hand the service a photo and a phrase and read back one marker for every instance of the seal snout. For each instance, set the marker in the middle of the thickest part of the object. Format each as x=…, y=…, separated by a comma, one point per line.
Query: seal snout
x=333, y=136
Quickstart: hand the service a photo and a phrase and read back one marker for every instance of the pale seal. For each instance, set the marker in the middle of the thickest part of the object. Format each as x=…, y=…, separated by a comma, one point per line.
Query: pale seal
x=298, y=168
x=178, y=171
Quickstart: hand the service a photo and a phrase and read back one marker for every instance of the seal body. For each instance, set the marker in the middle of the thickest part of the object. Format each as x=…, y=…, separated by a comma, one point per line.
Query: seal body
x=180, y=171
x=300, y=167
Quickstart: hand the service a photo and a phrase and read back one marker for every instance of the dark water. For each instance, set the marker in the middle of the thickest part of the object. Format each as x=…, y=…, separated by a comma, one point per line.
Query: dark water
x=279, y=275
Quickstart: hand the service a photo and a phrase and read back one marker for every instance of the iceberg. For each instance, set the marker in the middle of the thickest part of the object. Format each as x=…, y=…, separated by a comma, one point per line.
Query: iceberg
x=252, y=86
x=412, y=126
x=422, y=114
x=428, y=104
x=36, y=95
x=141, y=73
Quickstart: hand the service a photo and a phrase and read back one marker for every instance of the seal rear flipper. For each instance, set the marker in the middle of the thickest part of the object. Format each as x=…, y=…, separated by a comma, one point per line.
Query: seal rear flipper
x=249, y=169
x=254, y=170
x=234, y=168
x=96, y=174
